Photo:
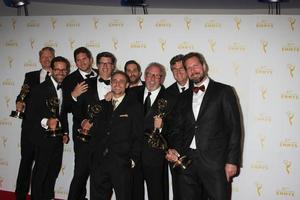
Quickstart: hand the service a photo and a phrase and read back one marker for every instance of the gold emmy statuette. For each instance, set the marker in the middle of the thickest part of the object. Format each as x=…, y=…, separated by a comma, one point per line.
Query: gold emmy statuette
x=24, y=91
x=156, y=140
x=92, y=111
x=53, y=106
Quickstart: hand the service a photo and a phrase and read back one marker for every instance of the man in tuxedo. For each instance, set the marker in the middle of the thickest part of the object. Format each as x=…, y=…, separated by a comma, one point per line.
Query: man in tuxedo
x=153, y=168
x=116, y=138
x=32, y=79
x=75, y=85
x=42, y=117
x=206, y=128
x=133, y=70
x=182, y=82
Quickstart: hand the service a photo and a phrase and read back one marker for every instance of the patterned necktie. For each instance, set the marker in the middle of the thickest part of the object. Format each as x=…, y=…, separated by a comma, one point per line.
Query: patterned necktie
x=114, y=103
x=147, y=103
x=196, y=89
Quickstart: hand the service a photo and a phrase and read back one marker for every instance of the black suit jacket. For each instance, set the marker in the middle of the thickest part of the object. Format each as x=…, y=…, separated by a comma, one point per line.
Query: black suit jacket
x=37, y=110
x=151, y=155
x=217, y=128
x=173, y=89
x=118, y=133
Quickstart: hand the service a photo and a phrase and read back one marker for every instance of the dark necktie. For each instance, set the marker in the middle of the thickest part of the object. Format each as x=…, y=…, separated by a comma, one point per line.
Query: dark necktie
x=106, y=82
x=89, y=75
x=58, y=87
x=147, y=103
x=47, y=76
x=196, y=89
x=182, y=89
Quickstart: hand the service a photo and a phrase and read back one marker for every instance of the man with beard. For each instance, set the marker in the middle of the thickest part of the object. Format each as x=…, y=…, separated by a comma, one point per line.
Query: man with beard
x=207, y=129
x=133, y=70
x=44, y=114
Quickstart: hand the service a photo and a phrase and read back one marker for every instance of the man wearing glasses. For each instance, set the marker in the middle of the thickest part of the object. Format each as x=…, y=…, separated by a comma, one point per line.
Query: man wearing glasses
x=153, y=166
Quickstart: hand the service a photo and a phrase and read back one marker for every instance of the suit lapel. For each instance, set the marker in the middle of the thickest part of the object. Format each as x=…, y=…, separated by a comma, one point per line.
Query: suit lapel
x=153, y=109
x=191, y=115
x=207, y=96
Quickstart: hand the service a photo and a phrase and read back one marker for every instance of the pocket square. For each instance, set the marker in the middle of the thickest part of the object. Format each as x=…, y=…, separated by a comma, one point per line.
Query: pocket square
x=124, y=115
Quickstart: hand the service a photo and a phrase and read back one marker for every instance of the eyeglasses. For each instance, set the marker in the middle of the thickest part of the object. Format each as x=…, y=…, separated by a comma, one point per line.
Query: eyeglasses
x=157, y=76
x=178, y=70
x=60, y=70
x=103, y=63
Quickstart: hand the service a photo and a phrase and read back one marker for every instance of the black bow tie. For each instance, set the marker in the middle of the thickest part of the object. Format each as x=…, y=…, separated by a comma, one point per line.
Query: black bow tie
x=90, y=75
x=106, y=82
x=196, y=89
x=58, y=86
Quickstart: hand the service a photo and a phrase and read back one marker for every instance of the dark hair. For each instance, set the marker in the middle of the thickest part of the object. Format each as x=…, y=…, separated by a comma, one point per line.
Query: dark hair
x=60, y=59
x=106, y=54
x=82, y=50
x=175, y=59
x=121, y=73
x=199, y=56
x=47, y=49
x=132, y=62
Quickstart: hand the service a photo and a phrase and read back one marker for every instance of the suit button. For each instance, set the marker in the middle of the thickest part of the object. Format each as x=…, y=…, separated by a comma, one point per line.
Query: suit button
x=105, y=152
x=107, y=133
x=196, y=127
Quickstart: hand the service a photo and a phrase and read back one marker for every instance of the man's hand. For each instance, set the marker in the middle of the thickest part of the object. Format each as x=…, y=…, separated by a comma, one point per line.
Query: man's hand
x=66, y=139
x=108, y=96
x=158, y=122
x=52, y=123
x=172, y=155
x=230, y=171
x=86, y=126
x=79, y=89
x=20, y=105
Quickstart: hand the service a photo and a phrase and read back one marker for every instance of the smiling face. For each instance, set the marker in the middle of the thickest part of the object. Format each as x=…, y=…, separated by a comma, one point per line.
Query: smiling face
x=59, y=71
x=45, y=59
x=153, y=77
x=105, y=67
x=179, y=73
x=83, y=62
x=133, y=73
x=119, y=84
x=195, y=70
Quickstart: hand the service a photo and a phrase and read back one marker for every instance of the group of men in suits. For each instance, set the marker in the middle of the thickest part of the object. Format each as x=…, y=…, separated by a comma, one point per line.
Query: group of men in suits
x=116, y=111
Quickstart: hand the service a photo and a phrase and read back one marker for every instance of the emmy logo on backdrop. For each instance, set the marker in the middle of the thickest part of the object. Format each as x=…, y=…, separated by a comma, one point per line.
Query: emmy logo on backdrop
x=263, y=92
x=157, y=141
x=92, y=111
x=264, y=45
x=258, y=189
x=212, y=44
x=32, y=41
x=71, y=42
x=52, y=104
x=141, y=22
x=115, y=43
x=23, y=93
x=96, y=22
x=10, y=61
x=53, y=22
x=288, y=165
x=262, y=141
x=292, y=22
x=13, y=23
x=238, y=23
x=7, y=100
x=162, y=43
x=290, y=117
x=292, y=69
x=188, y=22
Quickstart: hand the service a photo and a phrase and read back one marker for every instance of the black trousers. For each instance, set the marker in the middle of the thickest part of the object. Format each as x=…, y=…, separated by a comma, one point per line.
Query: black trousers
x=199, y=178
x=48, y=160
x=24, y=173
x=81, y=174
x=110, y=172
